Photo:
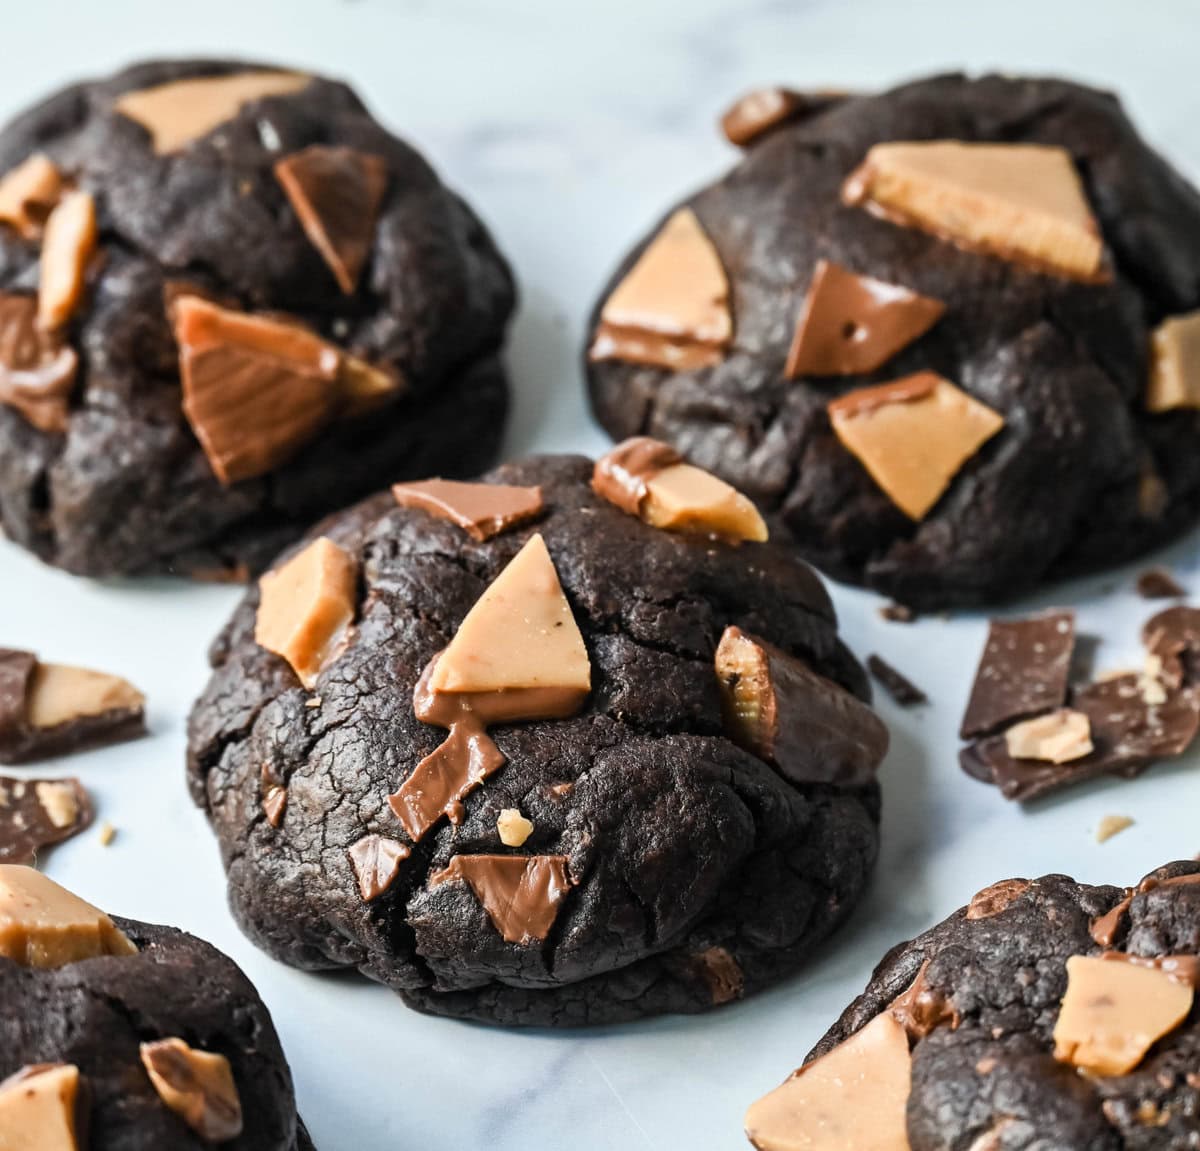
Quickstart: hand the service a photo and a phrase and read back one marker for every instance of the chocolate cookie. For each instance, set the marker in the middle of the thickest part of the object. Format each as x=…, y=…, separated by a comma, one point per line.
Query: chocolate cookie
x=1044, y=1014
x=946, y=335
x=562, y=747
x=230, y=302
x=118, y=1034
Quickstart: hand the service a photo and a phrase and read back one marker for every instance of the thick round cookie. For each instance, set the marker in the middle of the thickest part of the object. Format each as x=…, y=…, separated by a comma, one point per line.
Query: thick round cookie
x=617, y=852
x=119, y=1035
x=230, y=303
x=1015, y=238
x=1044, y=1014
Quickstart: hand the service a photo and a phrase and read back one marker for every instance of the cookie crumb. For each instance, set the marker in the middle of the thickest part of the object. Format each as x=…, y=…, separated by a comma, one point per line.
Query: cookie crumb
x=900, y=688
x=1111, y=825
x=897, y=613
x=107, y=834
x=1158, y=583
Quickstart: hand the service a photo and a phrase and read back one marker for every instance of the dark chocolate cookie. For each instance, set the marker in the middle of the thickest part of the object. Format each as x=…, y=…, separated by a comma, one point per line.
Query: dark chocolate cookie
x=1007, y=255
x=230, y=302
x=119, y=1035
x=592, y=841
x=1044, y=1014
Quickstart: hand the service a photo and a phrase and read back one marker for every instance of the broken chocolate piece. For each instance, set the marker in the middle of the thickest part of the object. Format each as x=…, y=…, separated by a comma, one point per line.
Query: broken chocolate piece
x=1024, y=671
x=1174, y=380
x=43, y=1108
x=37, y=813
x=1158, y=583
x=901, y=689
x=1173, y=637
x=1057, y=737
x=37, y=370
x=897, y=613
x=28, y=194
x=197, y=1085
x=920, y=1010
x=306, y=608
x=672, y=308
x=481, y=510
x=521, y=894
x=376, y=862
x=1021, y=202
x=67, y=249
x=621, y=475
x=777, y=708
x=758, y=112
x=721, y=972
x=852, y=324
x=336, y=193
x=996, y=898
x=180, y=111
x=913, y=435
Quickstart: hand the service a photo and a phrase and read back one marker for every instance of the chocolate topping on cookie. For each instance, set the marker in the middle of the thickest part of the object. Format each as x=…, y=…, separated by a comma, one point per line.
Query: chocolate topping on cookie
x=37, y=813
x=43, y=1108
x=756, y=113
x=521, y=894
x=481, y=510
x=197, y=1085
x=336, y=193
x=37, y=369
x=67, y=249
x=996, y=898
x=28, y=194
x=621, y=475
x=852, y=324
x=1174, y=380
x=376, y=861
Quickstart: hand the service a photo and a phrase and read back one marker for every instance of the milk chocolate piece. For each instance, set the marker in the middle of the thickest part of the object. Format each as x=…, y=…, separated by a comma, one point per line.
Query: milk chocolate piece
x=521, y=894
x=274, y=803
x=376, y=862
x=513, y=828
x=1173, y=636
x=1158, y=583
x=306, y=608
x=1024, y=671
x=51, y=709
x=336, y=193
x=44, y=925
x=777, y=708
x=996, y=898
x=28, y=194
x=180, y=111
x=920, y=1010
x=37, y=813
x=913, y=436
x=621, y=475
x=725, y=978
x=67, y=249
x=1020, y=202
x=901, y=689
x=1174, y=380
x=43, y=1108
x=481, y=510
x=1057, y=737
x=37, y=370
x=852, y=324
x=758, y=112
x=853, y=1097
x=1106, y=928
x=197, y=1085
x=672, y=308
x=1113, y=1013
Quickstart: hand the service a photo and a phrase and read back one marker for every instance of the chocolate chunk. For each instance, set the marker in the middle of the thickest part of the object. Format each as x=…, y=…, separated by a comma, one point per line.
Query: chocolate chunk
x=621, y=475
x=37, y=370
x=336, y=193
x=376, y=861
x=722, y=974
x=1173, y=636
x=897, y=613
x=758, y=112
x=1158, y=583
x=902, y=690
x=521, y=894
x=920, y=1010
x=996, y=898
x=37, y=813
x=481, y=510
x=1023, y=672
x=852, y=324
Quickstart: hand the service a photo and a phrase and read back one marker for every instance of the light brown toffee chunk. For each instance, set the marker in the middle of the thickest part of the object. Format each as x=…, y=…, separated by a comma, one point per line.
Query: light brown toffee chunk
x=59, y=694
x=178, y=112
x=1113, y=1013
x=1111, y=825
x=336, y=193
x=67, y=248
x=779, y=709
x=852, y=324
x=197, y=1085
x=853, y=1098
x=481, y=510
x=1021, y=202
x=521, y=894
x=42, y=1109
x=1058, y=737
x=28, y=194
x=37, y=369
x=913, y=435
x=44, y=925
x=996, y=898
x=1175, y=364
x=307, y=606
x=672, y=308
x=513, y=828
x=376, y=862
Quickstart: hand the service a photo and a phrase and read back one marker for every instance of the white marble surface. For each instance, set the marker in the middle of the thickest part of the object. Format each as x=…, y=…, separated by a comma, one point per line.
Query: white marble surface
x=570, y=125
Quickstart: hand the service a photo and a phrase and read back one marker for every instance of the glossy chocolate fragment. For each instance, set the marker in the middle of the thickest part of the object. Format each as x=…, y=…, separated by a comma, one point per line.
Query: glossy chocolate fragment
x=481, y=510
x=621, y=475
x=996, y=898
x=376, y=862
x=197, y=1085
x=898, y=686
x=37, y=369
x=1173, y=637
x=521, y=894
x=37, y=813
x=920, y=1009
x=756, y=113
x=1158, y=583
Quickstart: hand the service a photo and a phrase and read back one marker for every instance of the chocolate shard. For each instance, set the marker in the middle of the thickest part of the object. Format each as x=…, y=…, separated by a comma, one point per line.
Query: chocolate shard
x=1024, y=671
x=759, y=112
x=37, y=813
x=902, y=690
x=37, y=369
x=336, y=193
x=1173, y=636
x=521, y=894
x=1158, y=583
x=481, y=510
x=376, y=862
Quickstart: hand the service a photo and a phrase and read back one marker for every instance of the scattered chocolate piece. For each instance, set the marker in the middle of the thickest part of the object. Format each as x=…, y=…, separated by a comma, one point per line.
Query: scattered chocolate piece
x=37, y=369
x=725, y=978
x=67, y=249
x=1173, y=637
x=29, y=193
x=43, y=1107
x=901, y=689
x=376, y=862
x=481, y=510
x=1174, y=380
x=1112, y=825
x=336, y=193
x=37, y=813
x=897, y=613
x=521, y=894
x=758, y=112
x=275, y=804
x=1158, y=583
x=1021, y=202
x=920, y=1010
x=996, y=898
x=851, y=324
x=197, y=1085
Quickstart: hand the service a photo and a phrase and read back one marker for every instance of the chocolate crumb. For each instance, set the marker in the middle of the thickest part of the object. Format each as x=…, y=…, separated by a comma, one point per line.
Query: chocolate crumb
x=902, y=690
x=1158, y=583
x=897, y=613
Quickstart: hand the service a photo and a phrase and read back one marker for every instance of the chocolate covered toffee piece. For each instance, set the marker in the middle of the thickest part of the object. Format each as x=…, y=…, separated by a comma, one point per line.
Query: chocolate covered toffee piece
x=1010, y=1025
x=570, y=768
x=52, y=709
x=758, y=112
x=37, y=813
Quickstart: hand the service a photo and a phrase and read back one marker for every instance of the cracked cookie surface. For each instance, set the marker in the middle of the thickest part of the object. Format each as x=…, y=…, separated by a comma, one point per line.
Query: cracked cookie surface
x=698, y=872
x=1081, y=476
x=123, y=486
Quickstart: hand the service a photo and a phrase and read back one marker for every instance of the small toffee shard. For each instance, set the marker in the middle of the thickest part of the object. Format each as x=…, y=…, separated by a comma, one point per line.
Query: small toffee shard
x=521, y=894
x=37, y=813
x=28, y=194
x=672, y=308
x=376, y=862
x=1174, y=380
x=67, y=248
x=481, y=510
x=197, y=1085
x=37, y=368
x=649, y=479
x=913, y=436
x=755, y=114
x=336, y=193
x=852, y=324
x=779, y=709
x=1019, y=202
x=51, y=709
x=43, y=1107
